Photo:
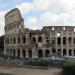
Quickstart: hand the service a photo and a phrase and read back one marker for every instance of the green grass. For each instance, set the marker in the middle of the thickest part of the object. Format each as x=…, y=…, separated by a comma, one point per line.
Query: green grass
x=5, y=74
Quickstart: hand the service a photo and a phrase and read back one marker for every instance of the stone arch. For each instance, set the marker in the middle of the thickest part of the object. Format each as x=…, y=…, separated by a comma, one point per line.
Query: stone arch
x=70, y=52
x=74, y=52
x=14, y=52
x=64, y=40
x=40, y=53
x=64, y=52
x=24, y=53
x=58, y=40
x=34, y=40
x=18, y=53
x=47, y=53
x=24, y=40
x=10, y=53
x=30, y=53
x=59, y=52
x=39, y=39
x=53, y=50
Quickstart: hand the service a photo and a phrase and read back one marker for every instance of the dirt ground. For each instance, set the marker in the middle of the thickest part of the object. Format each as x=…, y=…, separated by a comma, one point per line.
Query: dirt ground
x=29, y=71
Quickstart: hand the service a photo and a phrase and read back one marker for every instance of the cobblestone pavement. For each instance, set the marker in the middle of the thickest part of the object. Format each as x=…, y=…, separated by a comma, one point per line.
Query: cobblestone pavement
x=29, y=71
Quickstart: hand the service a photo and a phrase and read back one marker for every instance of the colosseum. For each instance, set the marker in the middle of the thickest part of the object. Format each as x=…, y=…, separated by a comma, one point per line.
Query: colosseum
x=23, y=42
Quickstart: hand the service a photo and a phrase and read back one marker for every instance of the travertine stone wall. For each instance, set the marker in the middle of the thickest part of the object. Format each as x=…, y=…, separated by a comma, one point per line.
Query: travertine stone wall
x=48, y=46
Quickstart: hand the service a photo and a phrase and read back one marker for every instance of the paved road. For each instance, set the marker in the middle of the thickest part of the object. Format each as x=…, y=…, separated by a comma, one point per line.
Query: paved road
x=29, y=71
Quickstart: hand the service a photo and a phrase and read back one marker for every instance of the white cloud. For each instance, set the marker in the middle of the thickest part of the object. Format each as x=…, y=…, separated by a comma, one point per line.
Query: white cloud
x=53, y=12
x=48, y=19
x=32, y=23
x=25, y=7
x=37, y=5
x=2, y=23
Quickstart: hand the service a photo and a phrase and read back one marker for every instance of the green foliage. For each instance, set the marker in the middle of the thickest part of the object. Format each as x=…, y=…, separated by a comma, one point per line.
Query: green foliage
x=69, y=68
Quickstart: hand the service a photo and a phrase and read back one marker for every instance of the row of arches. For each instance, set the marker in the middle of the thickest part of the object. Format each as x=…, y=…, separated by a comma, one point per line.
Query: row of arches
x=13, y=40
x=40, y=52
x=13, y=52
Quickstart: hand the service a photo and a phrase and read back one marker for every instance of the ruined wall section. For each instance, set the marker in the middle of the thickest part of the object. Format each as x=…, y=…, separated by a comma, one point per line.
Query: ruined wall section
x=13, y=21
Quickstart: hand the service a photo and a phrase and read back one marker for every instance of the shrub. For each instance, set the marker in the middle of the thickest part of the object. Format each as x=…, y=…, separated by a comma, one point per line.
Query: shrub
x=69, y=68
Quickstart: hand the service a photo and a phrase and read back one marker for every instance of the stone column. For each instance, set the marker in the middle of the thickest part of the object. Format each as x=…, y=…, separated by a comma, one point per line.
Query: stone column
x=56, y=45
x=34, y=52
x=5, y=51
x=16, y=39
x=27, y=38
x=61, y=52
x=50, y=51
x=67, y=43
x=43, y=52
x=61, y=43
x=67, y=52
x=21, y=39
x=21, y=52
x=43, y=39
x=27, y=53
x=4, y=46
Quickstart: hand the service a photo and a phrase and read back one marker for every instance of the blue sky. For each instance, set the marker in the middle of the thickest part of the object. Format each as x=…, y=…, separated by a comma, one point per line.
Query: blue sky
x=39, y=13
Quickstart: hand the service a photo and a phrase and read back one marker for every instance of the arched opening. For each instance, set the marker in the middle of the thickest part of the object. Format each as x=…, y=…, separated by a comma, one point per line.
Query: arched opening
x=74, y=40
x=24, y=53
x=39, y=39
x=53, y=41
x=40, y=53
x=30, y=53
x=34, y=40
x=24, y=40
x=10, y=40
x=59, y=52
x=74, y=52
x=14, y=40
x=10, y=53
x=70, y=52
x=64, y=40
x=64, y=52
x=7, y=40
x=58, y=40
x=53, y=50
x=19, y=40
x=18, y=53
x=47, y=53
x=14, y=52
x=69, y=40
x=47, y=40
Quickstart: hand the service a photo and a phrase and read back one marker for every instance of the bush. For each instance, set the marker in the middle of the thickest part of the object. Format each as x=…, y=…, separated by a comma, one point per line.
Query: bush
x=69, y=68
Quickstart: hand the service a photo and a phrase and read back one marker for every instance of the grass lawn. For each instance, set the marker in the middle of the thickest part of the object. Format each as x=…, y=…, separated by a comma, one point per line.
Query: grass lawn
x=5, y=74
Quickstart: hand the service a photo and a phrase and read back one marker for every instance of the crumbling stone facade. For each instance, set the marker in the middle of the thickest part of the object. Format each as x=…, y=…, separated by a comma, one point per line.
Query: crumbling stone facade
x=22, y=42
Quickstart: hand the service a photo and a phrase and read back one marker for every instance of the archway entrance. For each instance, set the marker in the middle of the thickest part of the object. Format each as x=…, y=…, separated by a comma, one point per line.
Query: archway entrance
x=47, y=53
x=18, y=53
x=30, y=53
x=14, y=53
x=40, y=53
x=64, y=52
x=24, y=53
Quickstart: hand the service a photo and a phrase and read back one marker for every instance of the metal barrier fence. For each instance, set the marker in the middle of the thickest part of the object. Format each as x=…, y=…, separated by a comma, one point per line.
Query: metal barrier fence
x=31, y=61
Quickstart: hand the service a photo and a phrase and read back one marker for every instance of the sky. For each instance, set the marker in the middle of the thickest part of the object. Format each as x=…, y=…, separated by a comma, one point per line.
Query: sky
x=39, y=13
